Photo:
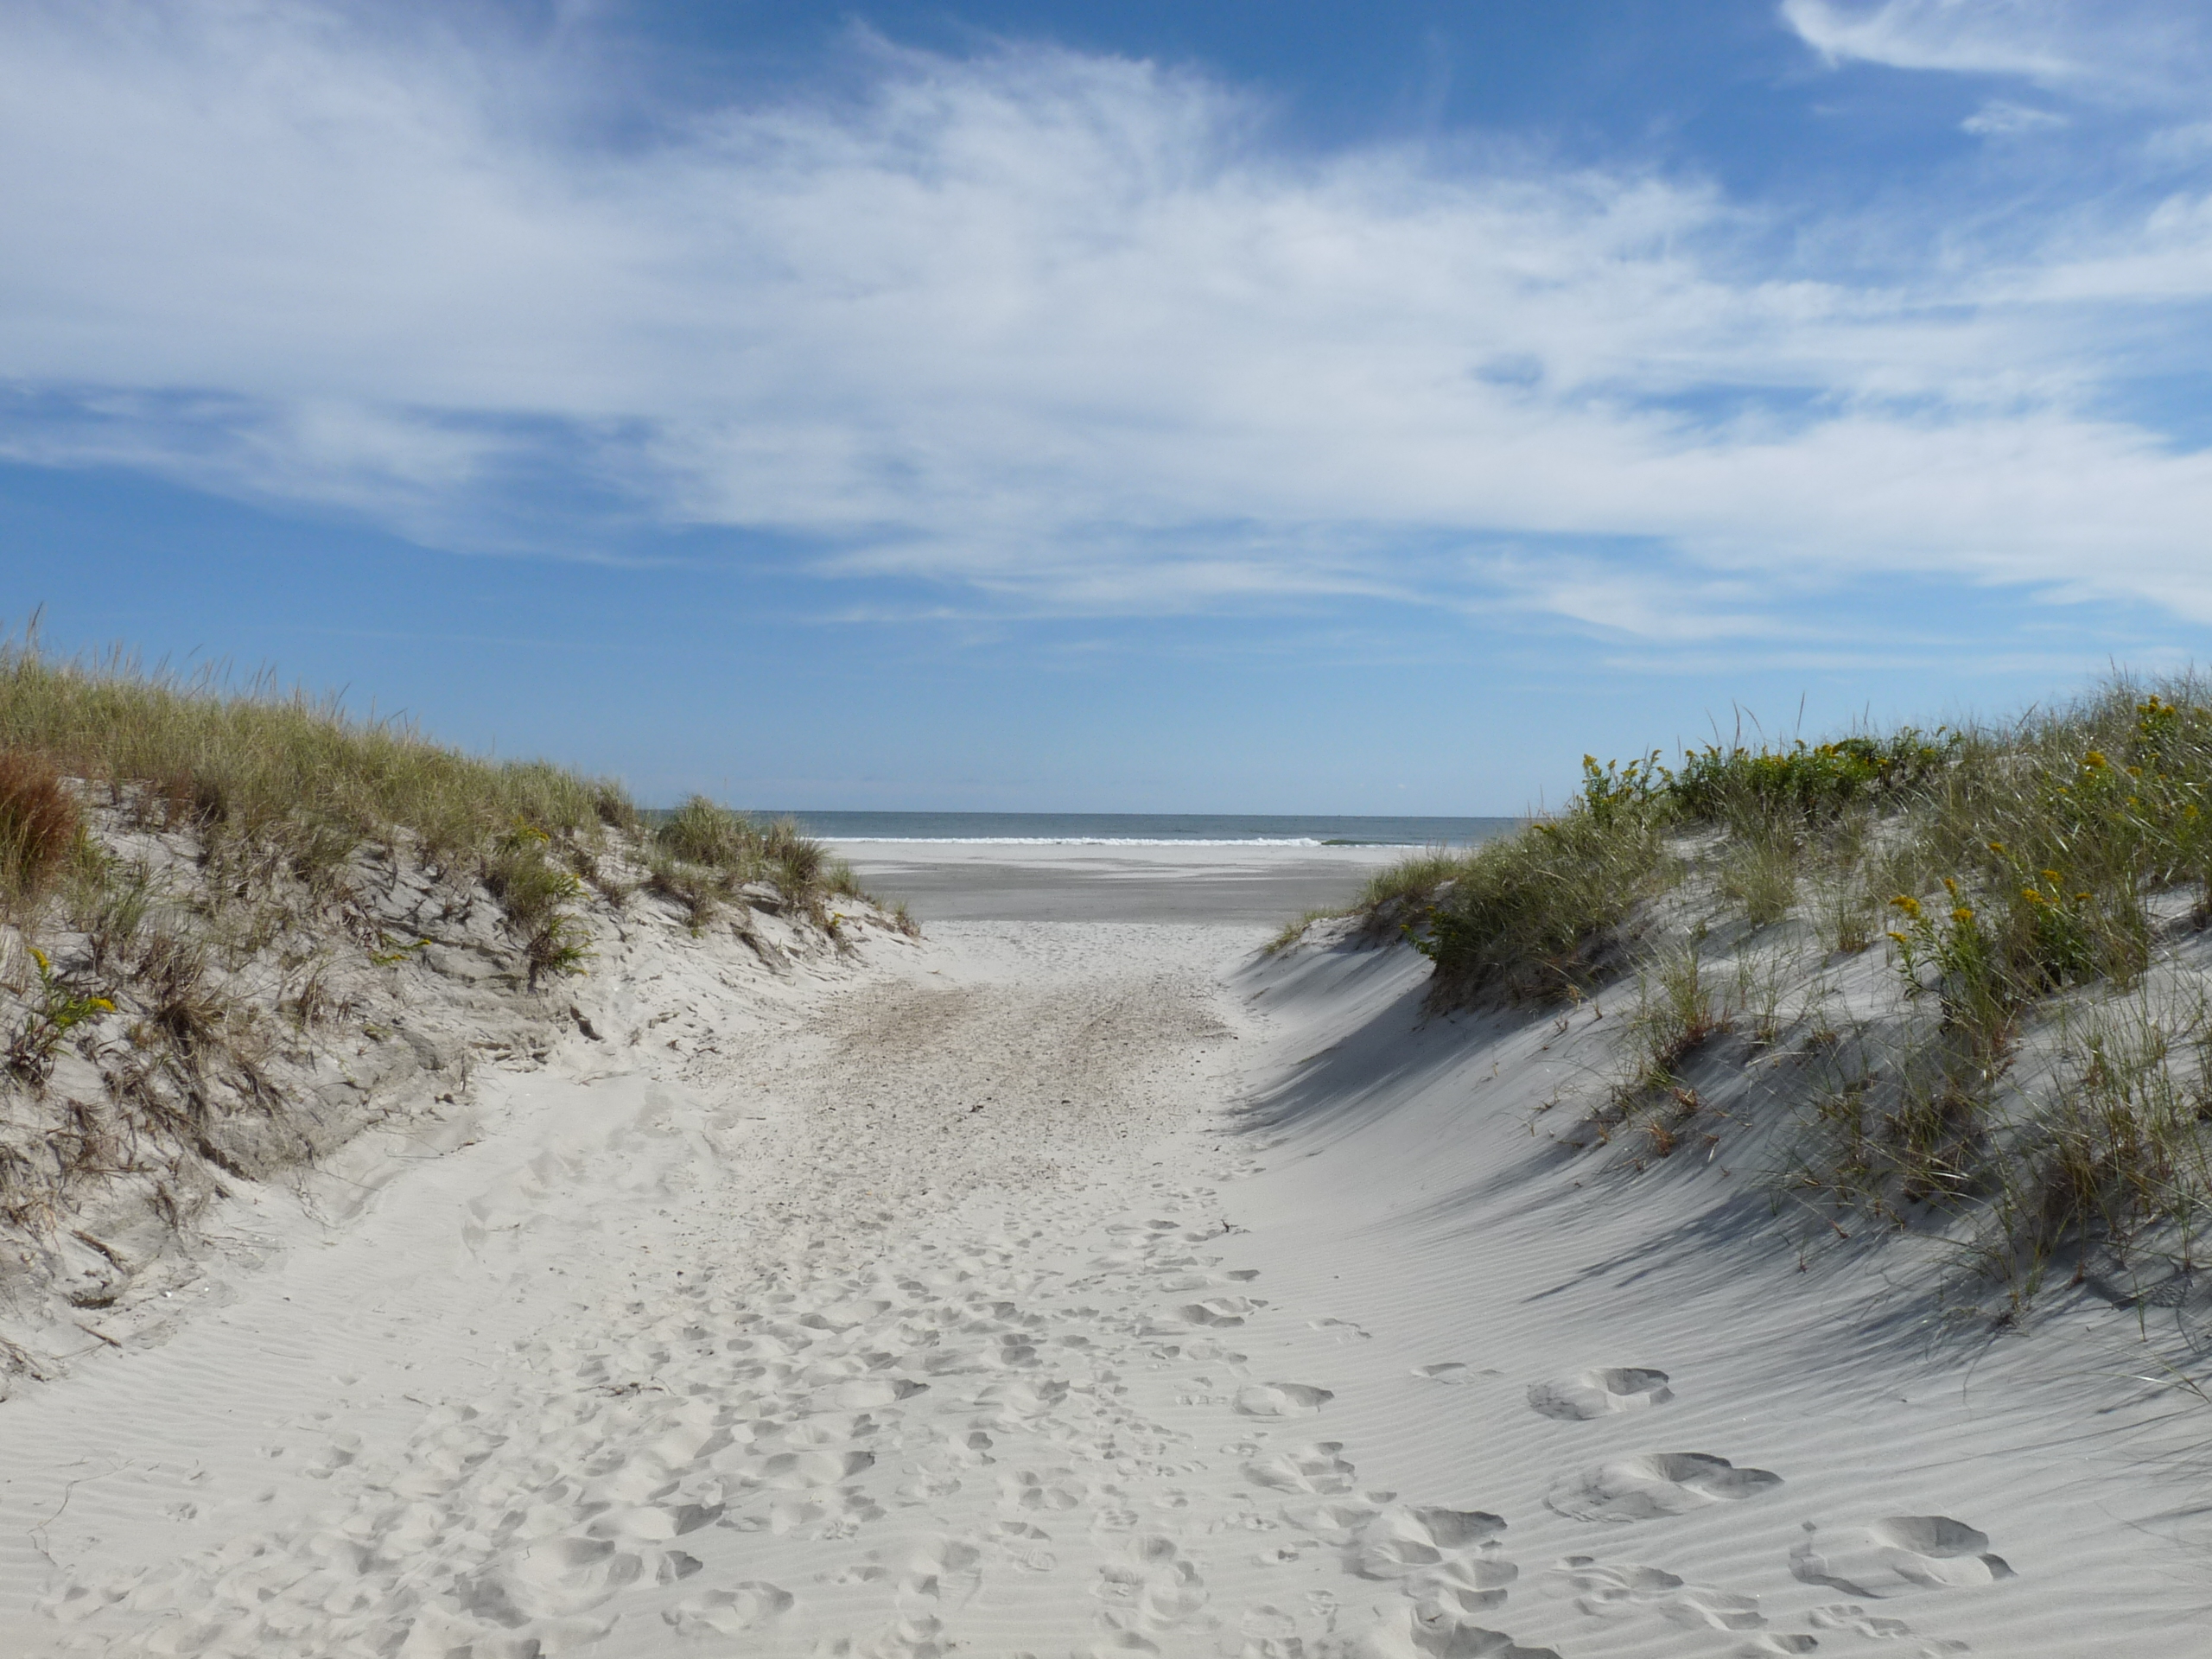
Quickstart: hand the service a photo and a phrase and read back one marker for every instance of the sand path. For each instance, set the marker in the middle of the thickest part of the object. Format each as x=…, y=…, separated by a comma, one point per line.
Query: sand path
x=1053, y=1290
x=803, y=1340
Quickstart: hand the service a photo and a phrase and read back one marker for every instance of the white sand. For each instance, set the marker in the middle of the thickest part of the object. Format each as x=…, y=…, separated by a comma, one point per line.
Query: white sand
x=1062, y=1288
x=1258, y=883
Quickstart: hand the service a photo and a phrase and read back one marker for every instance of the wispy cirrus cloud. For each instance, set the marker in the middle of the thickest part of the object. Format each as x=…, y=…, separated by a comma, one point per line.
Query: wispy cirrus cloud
x=2027, y=38
x=2115, y=50
x=1060, y=332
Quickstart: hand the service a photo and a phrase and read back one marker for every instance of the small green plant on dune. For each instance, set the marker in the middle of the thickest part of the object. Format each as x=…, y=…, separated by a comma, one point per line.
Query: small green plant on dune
x=536, y=891
x=57, y=1008
x=703, y=854
x=1549, y=912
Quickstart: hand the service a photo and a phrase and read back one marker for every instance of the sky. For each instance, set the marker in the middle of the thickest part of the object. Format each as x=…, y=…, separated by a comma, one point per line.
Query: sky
x=1270, y=407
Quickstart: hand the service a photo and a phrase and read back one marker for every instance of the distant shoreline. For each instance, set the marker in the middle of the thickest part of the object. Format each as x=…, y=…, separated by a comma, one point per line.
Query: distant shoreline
x=1145, y=828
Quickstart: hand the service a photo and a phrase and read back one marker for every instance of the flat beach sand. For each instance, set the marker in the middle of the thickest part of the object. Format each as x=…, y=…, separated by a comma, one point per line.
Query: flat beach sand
x=1073, y=1282
x=1252, y=882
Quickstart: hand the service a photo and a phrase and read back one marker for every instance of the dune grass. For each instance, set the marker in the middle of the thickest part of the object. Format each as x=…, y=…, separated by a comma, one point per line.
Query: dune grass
x=2027, y=880
x=702, y=855
x=279, y=771
x=264, y=761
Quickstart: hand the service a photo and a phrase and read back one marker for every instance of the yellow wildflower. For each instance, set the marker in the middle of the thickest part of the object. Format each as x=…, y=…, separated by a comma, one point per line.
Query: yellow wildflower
x=2051, y=876
x=1963, y=915
x=39, y=955
x=1997, y=848
x=1907, y=903
x=1951, y=885
x=1899, y=936
x=2032, y=896
x=2094, y=760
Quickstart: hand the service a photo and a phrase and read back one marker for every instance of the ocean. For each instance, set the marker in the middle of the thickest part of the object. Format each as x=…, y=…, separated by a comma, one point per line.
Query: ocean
x=1146, y=829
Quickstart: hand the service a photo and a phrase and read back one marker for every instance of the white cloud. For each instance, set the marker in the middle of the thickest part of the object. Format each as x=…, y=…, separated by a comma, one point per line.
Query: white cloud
x=2146, y=51
x=1059, y=329
x=1999, y=118
x=2000, y=37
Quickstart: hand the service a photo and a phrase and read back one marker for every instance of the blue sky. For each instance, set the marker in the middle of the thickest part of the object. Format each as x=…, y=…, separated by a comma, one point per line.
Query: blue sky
x=1268, y=407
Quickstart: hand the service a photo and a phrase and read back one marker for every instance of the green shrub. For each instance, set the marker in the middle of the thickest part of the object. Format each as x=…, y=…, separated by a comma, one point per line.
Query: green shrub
x=1741, y=787
x=1546, y=912
x=534, y=891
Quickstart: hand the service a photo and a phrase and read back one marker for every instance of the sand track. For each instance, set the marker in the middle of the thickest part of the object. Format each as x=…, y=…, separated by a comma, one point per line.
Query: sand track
x=826, y=1337
x=972, y=1307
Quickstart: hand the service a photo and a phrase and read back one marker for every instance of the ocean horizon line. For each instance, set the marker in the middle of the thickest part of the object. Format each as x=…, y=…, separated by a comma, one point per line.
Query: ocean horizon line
x=1146, y=829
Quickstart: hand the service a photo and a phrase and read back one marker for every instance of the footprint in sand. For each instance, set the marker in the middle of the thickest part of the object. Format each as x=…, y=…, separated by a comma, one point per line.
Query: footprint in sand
x=1153, y=1589
x=1449, y=1371
x=1447, y=1563
x=1609, y=1590
x=1282, y=1400
x=794, y=1472
x=727, y=1612
x=1223, y=1311
x=550, y=1578
x=1338, y=1330
x=1339, y=1523
x=1316, y=1469
x=1653, y=1484
x=1857, y=1621
x=1401, y=1540
x=1406, y=1634
x=1601, y=1393
x=942, y=1572
x=1890, y=1556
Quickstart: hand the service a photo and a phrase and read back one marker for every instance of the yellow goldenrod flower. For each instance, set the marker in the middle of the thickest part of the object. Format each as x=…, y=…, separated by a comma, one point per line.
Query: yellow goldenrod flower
x=1963, y=915
x=2031, y=895
x=103, y=1004
x=2082, y=898
x=1907, y=903
x=1899, y=937
x=1951, y=885
x=2094, y=760
x=2051, y=876
x=2135, y=771
x=1997, y=848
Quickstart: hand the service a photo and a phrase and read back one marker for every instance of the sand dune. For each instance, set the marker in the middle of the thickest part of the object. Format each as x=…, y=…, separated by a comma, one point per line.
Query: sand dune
x=1075, y=1288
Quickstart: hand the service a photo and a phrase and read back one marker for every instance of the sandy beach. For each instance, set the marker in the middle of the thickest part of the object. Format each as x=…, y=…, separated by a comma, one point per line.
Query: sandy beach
x=1250, y=883
x=1067, y=1287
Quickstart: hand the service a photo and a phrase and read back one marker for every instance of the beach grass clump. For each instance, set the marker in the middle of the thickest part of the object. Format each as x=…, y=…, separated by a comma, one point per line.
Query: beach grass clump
x=1550, y=911
x=1679, y=1012
x=703, y=854
x=40, y=825
x=2121, y=1151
